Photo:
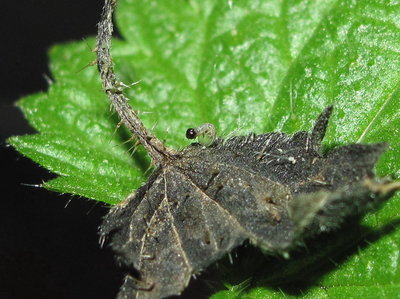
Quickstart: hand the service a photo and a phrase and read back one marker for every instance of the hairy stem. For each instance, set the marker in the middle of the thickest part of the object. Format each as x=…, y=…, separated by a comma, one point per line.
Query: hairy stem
x=114, y=90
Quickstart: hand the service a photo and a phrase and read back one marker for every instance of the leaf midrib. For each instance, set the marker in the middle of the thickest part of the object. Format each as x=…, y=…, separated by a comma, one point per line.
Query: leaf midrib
x=374, y=119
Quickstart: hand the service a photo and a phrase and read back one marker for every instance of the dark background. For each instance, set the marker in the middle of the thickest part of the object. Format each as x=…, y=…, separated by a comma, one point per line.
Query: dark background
x=48, y=242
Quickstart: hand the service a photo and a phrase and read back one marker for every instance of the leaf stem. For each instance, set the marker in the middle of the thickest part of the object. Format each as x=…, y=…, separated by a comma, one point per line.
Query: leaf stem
x=114, y=90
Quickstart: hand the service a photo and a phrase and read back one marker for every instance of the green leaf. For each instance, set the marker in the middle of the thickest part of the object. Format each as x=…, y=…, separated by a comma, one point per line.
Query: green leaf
x=77, y=133
x=258, y=65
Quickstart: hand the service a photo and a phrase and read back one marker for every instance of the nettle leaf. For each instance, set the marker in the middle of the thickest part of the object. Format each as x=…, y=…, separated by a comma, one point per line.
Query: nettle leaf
x=77, y=138
x=245, y=66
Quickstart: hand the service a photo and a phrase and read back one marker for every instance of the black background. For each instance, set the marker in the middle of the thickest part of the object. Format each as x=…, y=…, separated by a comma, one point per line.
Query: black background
x=48, y=242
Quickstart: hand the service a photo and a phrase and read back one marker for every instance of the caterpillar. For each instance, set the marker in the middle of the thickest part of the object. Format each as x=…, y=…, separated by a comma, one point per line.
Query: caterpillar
x=205, y=133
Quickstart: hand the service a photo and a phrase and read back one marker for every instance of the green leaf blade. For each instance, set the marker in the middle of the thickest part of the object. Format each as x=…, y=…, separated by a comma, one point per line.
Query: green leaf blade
x=78, y=136
x=76, y=162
